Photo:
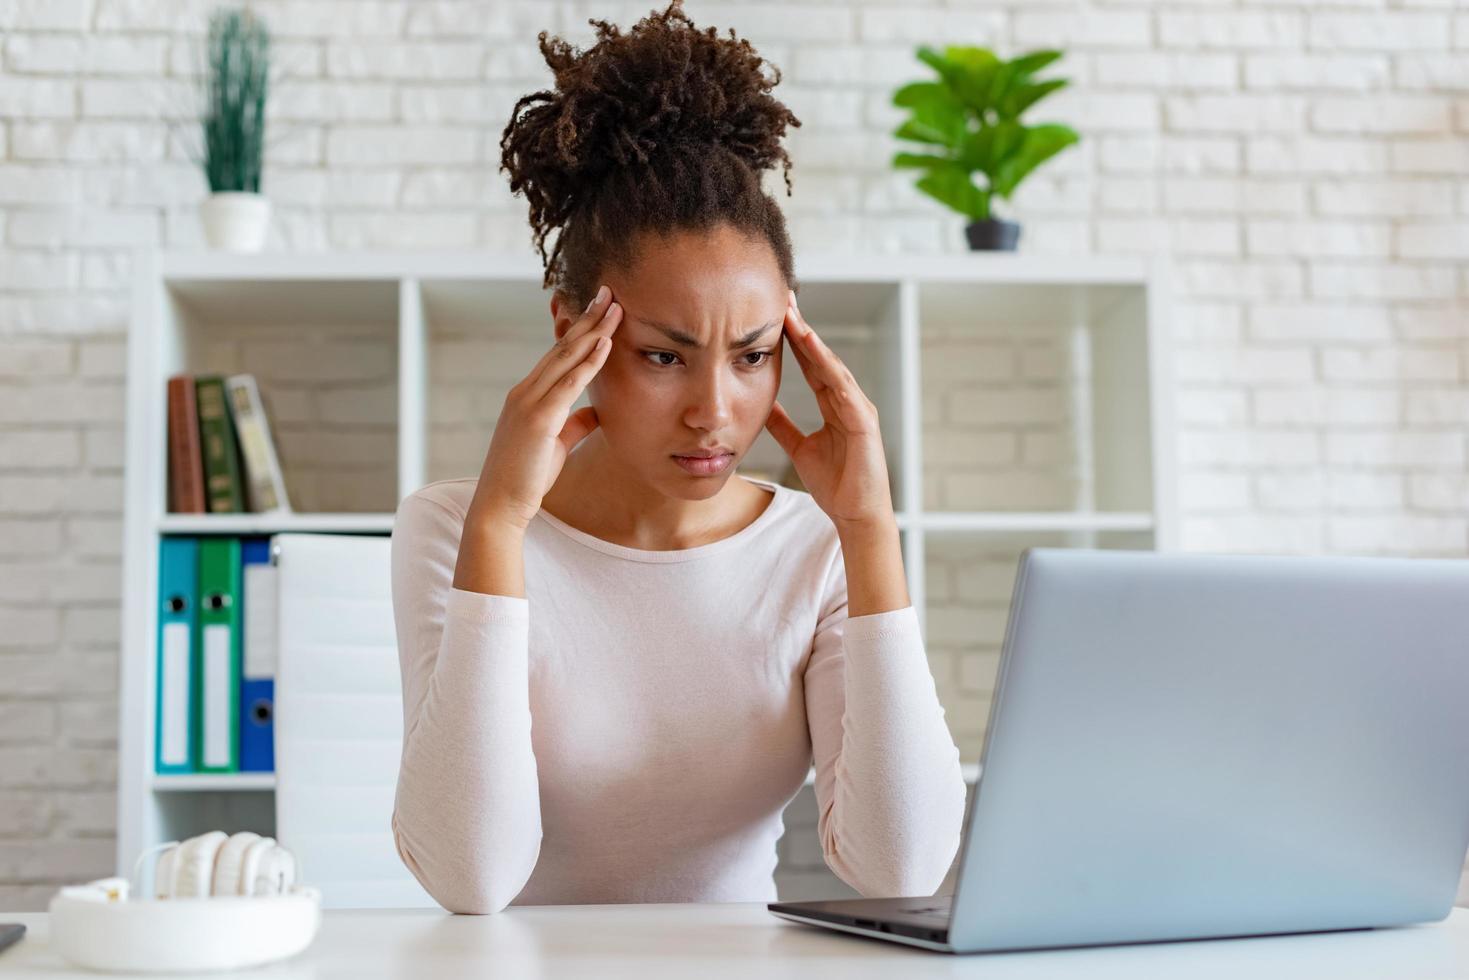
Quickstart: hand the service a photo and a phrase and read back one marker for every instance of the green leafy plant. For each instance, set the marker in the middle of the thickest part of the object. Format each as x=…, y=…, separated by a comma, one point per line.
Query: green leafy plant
x=236, y=84
x=971, y=115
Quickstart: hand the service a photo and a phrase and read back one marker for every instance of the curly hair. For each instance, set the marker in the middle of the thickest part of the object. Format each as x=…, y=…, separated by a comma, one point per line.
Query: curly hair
x=663, y=128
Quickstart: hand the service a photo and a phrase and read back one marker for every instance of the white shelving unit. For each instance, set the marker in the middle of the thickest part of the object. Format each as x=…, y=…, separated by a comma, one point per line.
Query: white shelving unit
x=425, y=316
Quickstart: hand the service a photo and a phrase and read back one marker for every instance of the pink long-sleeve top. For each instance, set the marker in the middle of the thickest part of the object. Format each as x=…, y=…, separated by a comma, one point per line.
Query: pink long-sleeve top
x=632, y=728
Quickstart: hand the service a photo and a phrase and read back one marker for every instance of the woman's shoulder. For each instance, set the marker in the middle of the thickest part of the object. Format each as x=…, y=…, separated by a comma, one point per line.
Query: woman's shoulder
x=435, y=511
x=453, y=494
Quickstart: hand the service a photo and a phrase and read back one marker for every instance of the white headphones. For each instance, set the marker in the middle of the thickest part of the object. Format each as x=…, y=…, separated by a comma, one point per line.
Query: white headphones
x=219, y=864
x=210, y=865
x=256, y=911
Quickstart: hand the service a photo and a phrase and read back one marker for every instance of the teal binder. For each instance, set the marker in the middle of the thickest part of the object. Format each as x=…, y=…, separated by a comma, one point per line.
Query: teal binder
x=178, y=608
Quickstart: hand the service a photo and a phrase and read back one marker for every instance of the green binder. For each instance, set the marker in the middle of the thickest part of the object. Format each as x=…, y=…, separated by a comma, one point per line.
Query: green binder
x=217, y=671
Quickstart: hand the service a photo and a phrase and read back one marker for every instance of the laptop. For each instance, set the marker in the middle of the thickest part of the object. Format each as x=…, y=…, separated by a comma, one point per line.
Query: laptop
x=1188, y=746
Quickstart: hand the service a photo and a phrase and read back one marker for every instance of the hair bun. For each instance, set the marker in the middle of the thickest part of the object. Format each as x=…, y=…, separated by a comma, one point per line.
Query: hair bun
x=666, y=83
x=661, y=90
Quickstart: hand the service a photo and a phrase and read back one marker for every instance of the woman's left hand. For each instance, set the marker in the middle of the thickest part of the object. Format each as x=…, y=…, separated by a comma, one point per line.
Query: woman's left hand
x=842, y=464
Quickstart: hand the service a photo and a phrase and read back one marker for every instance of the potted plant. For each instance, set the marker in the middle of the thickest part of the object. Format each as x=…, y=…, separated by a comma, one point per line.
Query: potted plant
x=970, y=117
x=236, y=215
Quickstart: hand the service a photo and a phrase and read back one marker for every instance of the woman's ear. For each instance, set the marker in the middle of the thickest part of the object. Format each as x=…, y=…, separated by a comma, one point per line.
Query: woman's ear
x=563, y=313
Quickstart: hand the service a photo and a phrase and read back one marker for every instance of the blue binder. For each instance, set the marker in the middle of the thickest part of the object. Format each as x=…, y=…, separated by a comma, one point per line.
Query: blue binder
x=178, y=613
x=257, y=665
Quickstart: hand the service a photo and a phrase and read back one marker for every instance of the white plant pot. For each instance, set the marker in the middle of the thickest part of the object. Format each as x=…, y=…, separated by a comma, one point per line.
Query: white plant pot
x=236, y=221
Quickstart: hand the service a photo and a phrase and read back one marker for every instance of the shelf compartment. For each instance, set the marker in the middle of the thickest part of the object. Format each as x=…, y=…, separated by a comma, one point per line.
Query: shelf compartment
x=325, y=356
x=1035, y=397
x=181, y=815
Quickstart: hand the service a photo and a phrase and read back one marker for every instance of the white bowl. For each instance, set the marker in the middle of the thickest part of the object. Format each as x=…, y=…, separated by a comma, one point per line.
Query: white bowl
x=179, y=934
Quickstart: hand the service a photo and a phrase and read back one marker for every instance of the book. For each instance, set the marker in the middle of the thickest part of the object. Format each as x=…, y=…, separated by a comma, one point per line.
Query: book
x=185, y=467
x=265, y=488
x=222, y=482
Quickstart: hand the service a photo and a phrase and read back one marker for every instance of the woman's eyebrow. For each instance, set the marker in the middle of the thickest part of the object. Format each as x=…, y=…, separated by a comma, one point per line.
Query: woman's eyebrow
x=685, y=340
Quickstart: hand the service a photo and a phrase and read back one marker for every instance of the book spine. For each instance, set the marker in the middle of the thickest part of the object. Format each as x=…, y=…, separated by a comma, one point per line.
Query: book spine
x=185, y=469
x=263, y=479
x=221, y=456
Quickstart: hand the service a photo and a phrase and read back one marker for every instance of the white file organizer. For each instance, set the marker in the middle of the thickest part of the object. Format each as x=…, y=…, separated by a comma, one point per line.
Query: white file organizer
x=339, y=719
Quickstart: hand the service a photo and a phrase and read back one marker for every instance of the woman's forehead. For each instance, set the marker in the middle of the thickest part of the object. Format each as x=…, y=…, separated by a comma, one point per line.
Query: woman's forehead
x=704, y=284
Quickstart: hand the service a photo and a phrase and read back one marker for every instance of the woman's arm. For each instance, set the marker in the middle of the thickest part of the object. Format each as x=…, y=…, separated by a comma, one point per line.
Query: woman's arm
x=491, y=558
x=873, y=557
x=890, y=792
x=466, y=818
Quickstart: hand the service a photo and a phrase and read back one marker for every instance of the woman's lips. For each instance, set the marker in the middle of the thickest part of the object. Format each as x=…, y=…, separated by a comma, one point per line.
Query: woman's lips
x=704, y=467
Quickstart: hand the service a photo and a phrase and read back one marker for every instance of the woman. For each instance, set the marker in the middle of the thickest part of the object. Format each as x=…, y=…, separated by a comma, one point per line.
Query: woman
x=619, y=658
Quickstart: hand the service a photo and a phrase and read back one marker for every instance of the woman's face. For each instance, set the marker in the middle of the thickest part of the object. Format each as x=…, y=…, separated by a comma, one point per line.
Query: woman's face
x=713, y=384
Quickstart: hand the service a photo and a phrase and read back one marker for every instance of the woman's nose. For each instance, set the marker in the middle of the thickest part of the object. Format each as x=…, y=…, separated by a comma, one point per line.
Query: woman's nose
x=709, y=403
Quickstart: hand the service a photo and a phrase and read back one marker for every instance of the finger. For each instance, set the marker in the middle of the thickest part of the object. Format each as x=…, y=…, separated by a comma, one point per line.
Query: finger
x=592, y=317
x=601, y=317
x=845, y=397
x=593, y=314
x=826, y=395
x=785, y=431
x=802, y=356
x=854, y=411
x=821, y=389
x=829, y=367
x=828, y=403
x=568, y=354
x=547, y=398
x=578, y=426
x=568, y=388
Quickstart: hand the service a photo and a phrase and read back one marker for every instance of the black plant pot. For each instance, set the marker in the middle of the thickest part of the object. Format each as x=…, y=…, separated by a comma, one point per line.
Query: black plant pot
x=992, y=234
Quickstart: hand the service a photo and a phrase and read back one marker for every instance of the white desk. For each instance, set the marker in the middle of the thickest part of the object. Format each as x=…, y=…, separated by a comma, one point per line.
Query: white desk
x=649, y=942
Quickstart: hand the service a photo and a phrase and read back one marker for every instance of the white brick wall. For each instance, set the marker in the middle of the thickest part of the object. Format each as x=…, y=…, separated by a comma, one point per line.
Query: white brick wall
x=1303, y=163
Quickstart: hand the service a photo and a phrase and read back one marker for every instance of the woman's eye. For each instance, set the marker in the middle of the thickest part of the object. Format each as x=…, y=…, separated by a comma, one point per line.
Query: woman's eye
x=764, y=356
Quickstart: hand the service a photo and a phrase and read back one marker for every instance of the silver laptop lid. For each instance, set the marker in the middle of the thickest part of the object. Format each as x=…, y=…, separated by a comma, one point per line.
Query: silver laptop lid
x=1207, y=745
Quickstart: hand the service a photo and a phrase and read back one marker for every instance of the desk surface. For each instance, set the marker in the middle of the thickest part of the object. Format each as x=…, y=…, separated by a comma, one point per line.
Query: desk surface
x=744, y=940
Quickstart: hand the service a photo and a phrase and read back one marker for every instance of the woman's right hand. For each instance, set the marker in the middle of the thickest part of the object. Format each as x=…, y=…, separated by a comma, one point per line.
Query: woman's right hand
x=537, y=429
